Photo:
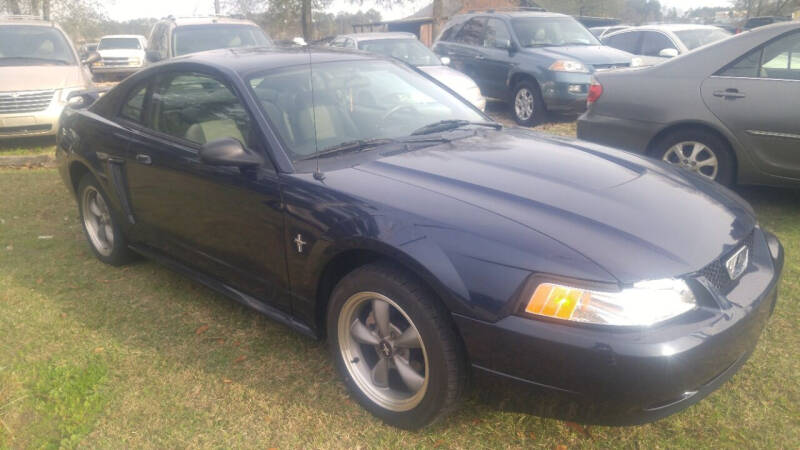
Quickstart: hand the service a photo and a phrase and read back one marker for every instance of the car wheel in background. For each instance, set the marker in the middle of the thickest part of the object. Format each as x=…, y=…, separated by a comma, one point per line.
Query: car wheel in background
x=527, y=105
x=100, y=226
x=395, y=347
x=698, y=151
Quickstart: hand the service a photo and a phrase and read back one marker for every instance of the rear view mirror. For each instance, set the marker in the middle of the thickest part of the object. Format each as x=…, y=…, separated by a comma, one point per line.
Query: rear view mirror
x=668, y=53
x=445, y=60
x=228, y=152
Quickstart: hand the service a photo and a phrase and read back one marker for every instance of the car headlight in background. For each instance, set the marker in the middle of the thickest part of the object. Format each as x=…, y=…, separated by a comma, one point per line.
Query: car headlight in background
x=566, y=65
x=135, y=61
x=646, y=303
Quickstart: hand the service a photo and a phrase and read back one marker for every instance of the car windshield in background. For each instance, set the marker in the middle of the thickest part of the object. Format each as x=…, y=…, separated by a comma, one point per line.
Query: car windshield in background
x=361, y=101
x=410, y=51
x=200, y=38
x=693, y=39
x=119, y=43
x=552, y=31
x=22, y=45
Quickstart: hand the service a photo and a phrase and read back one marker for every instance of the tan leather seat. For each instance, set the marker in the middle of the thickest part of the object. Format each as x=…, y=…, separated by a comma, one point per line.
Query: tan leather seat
x=212, y=130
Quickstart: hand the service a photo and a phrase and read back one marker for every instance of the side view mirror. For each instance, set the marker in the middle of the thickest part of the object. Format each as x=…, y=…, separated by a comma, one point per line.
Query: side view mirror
x=299, y=41
x=91, y=59
x=668, y=53
x=504, y=44
x=228, y=152
x=152, y=56
x=445, y=60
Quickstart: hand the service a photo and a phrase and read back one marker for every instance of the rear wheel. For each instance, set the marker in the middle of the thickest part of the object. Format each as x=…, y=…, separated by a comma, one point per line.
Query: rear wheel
x=698, y=151
x=527, y=105
x=394, y=346
x=100, y=226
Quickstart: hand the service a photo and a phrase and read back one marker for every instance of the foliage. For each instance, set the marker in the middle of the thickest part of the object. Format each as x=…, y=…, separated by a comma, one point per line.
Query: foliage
x=756, y=8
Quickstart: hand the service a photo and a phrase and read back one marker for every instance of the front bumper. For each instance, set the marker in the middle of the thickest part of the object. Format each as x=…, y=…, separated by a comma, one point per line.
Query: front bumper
x=625, y=377
x=566, y=92
x=115, y=70
x=41, y=123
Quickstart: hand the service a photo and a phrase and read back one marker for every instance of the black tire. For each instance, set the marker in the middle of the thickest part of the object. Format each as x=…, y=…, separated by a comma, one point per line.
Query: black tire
x=539, y=112
x=446, y=366
x=117, y=253
x=719, y=147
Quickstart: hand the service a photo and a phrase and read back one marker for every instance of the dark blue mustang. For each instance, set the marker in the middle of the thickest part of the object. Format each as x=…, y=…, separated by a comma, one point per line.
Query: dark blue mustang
x=357, y=199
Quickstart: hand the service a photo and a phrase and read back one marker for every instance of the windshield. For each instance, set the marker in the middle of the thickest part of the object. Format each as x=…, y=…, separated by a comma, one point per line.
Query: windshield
x=700, y=37
x=22, y=45
x=119, y=43
x=552, y=31
x=352, y=100
x=200, y=38
x=410, y=51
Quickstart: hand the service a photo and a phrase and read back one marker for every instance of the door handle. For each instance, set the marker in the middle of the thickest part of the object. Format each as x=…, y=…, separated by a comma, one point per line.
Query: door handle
x=144, y=159
x=479, y=57
x=731, y=93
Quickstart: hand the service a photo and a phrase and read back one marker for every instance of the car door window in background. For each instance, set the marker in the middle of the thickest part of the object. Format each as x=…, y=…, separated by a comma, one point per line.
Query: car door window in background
x=628, y=41
x=199, y=109
x=497, y=35
x=134, y=107
x=472, y=32
x=778, y=60
x=653, y=42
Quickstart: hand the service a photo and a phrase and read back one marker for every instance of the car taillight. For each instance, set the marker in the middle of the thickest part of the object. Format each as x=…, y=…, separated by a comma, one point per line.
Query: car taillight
x=595, y=91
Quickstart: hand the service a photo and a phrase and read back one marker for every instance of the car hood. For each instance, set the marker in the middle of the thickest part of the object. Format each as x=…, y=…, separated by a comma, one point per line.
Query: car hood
x=451, y=78
x=121, y=53
x=35, y=78
x=637, y=219
x=587, y=54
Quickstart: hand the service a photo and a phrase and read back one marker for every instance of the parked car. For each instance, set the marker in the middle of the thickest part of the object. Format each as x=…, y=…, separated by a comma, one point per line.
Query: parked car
x=120, y=56
x=407, y=48
x=599, y=32
x=87, y=49
x=538, y=62
x=724, y=111
x=39, y=70
x=655, y=44
x=425, y=241
x=173, y=37
x=755, y=22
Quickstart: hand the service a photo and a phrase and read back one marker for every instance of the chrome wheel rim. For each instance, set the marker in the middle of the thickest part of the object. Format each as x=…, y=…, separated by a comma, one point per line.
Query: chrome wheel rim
x=523, y=104
x=694, y=156
x=97, y=221
x=383, y=351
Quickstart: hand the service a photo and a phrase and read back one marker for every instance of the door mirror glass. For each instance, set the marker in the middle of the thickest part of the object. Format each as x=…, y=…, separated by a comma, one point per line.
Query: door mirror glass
x=668, y=53
x=228, y=152
x=445, y=60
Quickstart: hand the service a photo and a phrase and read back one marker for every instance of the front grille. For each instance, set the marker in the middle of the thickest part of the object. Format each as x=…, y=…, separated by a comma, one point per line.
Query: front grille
x=25, y=101
x=115, y=61
x=611, y=66
x=25, y=129
x=717, y=274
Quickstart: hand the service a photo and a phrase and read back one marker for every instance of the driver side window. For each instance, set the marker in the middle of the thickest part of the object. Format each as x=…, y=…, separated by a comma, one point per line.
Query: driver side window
x=199, y=109
x=497, y=35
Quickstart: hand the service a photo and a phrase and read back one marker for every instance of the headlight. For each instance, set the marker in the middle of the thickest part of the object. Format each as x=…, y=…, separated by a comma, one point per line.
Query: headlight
x=62, y=97
x=566, y=65
x=646, y=303
x=135, y=61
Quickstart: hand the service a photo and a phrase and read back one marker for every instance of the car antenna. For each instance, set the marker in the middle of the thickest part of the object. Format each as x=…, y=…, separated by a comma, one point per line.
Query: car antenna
x=318, y=175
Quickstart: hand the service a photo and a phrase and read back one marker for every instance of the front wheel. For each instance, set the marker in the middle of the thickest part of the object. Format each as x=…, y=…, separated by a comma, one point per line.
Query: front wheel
x=100, y=225
x=698, y=151
x=527, y=105
x=394, y=346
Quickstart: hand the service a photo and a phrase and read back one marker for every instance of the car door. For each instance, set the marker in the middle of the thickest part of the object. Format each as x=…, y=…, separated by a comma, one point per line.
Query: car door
x=466, y=53
x=756, y=98
x=221, y=221
x=496, y=64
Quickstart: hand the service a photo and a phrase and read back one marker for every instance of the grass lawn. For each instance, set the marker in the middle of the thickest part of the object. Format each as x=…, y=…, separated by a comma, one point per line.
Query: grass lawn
x=96, y=356
x=26, y=147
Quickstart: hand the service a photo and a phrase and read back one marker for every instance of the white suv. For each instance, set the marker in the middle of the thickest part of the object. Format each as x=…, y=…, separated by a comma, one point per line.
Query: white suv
x=120, y=56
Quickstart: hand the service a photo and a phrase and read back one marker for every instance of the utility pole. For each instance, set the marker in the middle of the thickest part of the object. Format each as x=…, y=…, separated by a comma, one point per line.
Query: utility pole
x=437, y=19
x=216, y=7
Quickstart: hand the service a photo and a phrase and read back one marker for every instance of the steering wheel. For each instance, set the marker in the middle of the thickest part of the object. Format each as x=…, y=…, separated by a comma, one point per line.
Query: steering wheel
x=397, y=109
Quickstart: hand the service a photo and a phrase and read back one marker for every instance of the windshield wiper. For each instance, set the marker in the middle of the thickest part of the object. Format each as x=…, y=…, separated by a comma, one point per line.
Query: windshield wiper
x=359, y=145
x=452, y=124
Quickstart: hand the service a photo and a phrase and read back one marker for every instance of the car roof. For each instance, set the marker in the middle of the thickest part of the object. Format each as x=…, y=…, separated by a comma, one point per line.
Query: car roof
x=25, y=20
x=246, y=60
x=510, y=14
x=133, y=36
x=672, y=27
x=377, y=36
x=206, y=20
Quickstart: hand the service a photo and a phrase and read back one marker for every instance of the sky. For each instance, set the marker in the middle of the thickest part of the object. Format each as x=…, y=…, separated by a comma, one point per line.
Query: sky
x=131, y=9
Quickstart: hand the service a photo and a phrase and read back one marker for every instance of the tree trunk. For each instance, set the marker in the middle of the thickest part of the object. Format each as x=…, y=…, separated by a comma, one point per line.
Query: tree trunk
x=216, y=7
x=46, y=9
x=34, y=10
x=306, y=19
x=13, y=6
x=437, y=19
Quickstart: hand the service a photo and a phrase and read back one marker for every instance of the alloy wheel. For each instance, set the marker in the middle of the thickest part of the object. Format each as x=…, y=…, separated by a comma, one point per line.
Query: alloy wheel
x=523, y=104
x=694, y=156
x=383, y=351
x=97, y=221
